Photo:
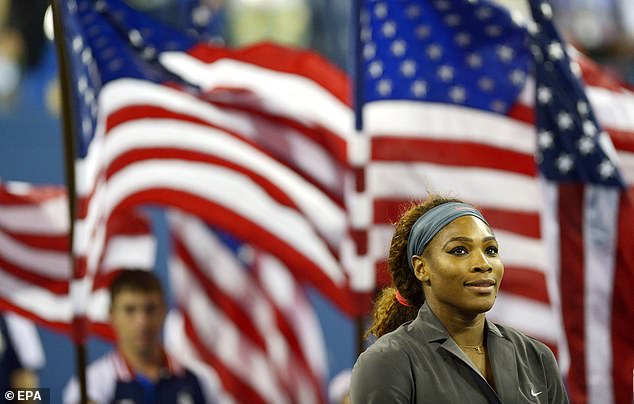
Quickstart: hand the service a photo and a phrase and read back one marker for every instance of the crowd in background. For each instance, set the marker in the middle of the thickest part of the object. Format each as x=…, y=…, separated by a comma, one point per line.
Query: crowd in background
x=604, y=29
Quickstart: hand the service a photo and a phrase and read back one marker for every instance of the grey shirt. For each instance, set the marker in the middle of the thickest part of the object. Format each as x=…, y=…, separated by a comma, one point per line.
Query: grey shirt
x=420, y=363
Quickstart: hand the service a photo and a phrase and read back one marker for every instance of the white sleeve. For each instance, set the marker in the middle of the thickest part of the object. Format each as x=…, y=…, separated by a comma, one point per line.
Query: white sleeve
x=26, y=341
x=101, y=382
x=70, y=394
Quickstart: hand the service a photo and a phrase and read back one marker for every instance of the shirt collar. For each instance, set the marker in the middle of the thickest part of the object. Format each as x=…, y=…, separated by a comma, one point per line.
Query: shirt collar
x=434, y=331
x=124, y=371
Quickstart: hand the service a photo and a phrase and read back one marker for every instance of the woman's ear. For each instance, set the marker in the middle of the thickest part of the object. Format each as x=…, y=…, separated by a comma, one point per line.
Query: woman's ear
x=421, y=268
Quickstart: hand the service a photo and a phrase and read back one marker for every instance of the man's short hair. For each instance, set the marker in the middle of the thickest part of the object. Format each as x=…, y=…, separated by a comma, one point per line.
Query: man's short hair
x=137, y=280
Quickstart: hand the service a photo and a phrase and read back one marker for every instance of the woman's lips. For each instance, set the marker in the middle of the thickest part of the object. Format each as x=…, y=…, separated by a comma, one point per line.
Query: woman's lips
x=482, y=285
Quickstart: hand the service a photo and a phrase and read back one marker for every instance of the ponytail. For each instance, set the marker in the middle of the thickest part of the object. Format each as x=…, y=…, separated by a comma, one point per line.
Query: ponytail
x=389, y=313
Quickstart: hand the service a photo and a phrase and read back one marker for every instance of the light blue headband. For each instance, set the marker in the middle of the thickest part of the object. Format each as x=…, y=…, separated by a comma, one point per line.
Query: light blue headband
x=433, y=221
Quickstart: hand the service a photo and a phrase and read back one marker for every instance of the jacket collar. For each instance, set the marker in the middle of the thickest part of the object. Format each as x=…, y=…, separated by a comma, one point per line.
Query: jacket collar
x=434, y=331
x=500, y=350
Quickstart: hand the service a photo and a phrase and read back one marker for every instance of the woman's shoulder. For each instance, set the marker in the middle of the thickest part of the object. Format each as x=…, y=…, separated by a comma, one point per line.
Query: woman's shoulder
x=522, y=342
x=394, y=343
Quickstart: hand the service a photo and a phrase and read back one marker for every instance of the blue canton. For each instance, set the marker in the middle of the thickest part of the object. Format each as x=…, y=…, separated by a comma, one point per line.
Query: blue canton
x=463, y=52
x=571, y=147
x=108, y=40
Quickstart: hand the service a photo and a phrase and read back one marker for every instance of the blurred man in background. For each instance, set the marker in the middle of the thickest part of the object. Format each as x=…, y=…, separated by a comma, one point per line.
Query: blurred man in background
x=138, y=369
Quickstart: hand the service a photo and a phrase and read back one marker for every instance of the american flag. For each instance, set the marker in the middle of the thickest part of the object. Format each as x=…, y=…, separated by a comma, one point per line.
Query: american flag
x=244, y=315
x=447, y=99
x=253, y=141
x=35, y=270
x=588, y=207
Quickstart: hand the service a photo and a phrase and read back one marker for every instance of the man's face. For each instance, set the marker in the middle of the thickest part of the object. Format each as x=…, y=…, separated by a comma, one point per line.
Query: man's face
x=137, y=319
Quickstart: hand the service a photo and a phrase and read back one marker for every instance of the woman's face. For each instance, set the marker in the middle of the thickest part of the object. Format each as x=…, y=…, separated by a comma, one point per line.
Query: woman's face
x=461, y=269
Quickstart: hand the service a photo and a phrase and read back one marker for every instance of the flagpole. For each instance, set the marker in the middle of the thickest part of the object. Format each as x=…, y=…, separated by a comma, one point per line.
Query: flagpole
x=358, y=164
x=68, y=136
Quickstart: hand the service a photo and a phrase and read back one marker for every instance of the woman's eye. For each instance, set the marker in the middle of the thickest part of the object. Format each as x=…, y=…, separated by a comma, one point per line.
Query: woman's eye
x=492, y=251
x=458, y=251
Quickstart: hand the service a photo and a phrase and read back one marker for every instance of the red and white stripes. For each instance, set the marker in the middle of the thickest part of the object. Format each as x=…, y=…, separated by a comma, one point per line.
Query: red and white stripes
x=260, y=336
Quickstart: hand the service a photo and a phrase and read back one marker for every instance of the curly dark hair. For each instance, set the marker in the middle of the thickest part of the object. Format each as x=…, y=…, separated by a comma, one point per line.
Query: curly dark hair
x=388, y=313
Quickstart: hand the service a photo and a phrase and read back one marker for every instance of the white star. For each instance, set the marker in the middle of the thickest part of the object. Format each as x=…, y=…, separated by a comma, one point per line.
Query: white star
x=462, y=39
x=201, y=15
x=555, y=50
x=452, y=20
x=442, y=5
x=517, y=77
x=576, y=69
x=564, y=163
x=89, y=96
x=445, y=72
x=498, y=106
x=518, y=18
x=148, y=53
x=366, y=34
x=135, y=37
x=539, y=157
x=474, y=60
x=375, y=69
x=544, y=139
x=413, y=11
x=457, y=94
x=537, y=52
x=389, y=29
x=483, y=13
x=493, y=30
x=78, y=44
x=408, y=68
x=419, y=88
x=546, y=10
x=398, y=48
x=586, y=145
x=606, y=169
x=86, y=125
x=369, y=50
x=422, y=31
x=583, y=108
x=434, y=52
x=380, y=10
x=505, y=53
x=589, y=128
x=93, y=109
x=564, y=120
x=486, y=84
x=384, y=87
x=533, y=27
x=82, y=84
x=86, y=56
x=544, y=95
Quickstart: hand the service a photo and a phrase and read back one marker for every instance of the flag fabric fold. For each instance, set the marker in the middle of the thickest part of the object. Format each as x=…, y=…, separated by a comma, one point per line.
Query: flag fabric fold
x=235, y=154
x=34, y=257
x=251, y=322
